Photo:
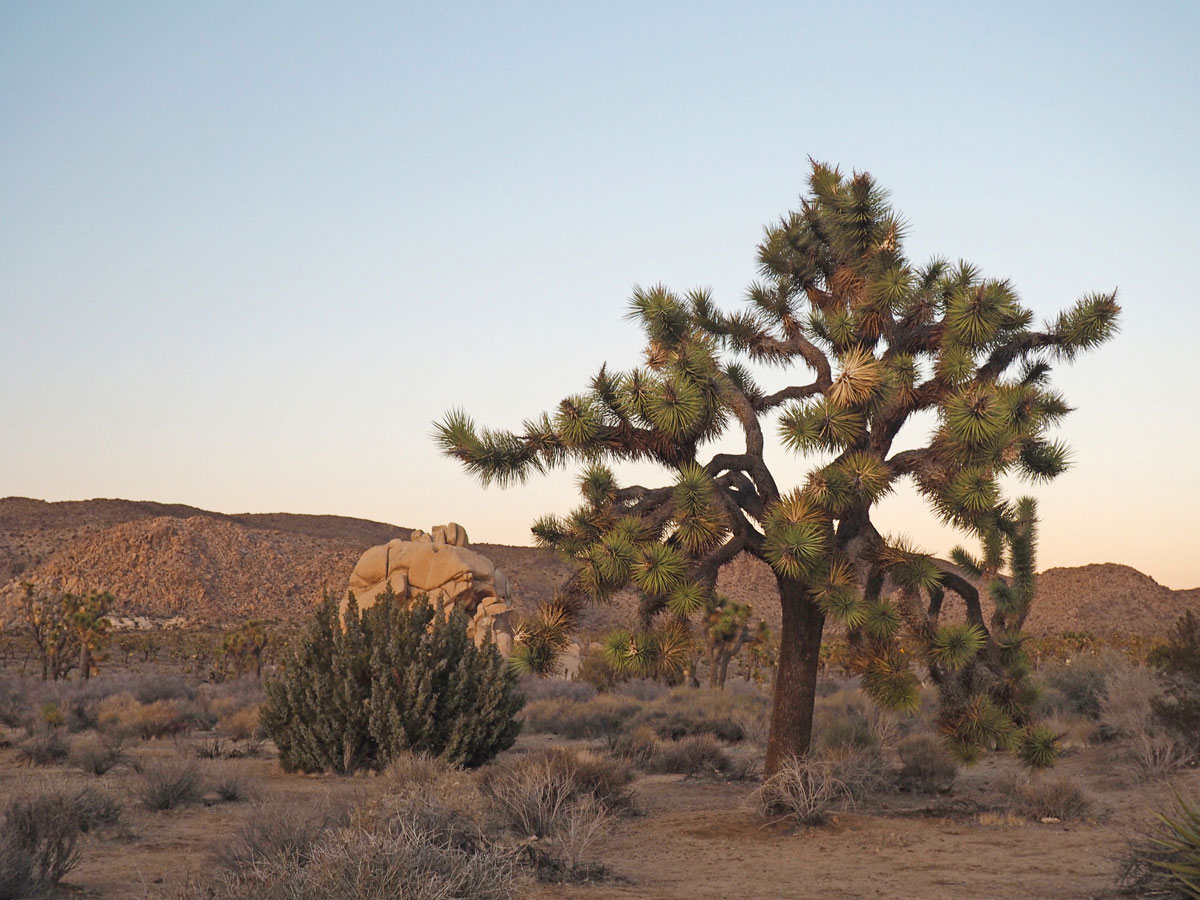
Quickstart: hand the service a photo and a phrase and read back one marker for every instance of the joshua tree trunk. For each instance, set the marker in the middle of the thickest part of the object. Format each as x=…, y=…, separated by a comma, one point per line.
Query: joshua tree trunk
x=795, y=677
x=85, y=660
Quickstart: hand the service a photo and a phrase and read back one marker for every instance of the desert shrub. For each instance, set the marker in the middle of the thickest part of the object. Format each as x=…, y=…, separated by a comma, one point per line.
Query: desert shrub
x=638, y=745
x=1076, y=686
x=97, y=754
x=532, y=792
x=46, y=745
x=802, y=791
x=598, y=673
x=153, y=688
x=642, y=689
x=1127, y=710
x=402, y=860
x=1155, y=756
x=358, y=693
x=243, y=723
x=533, y=688
x=687, y=711
x=1164, y=861
x=863, y=770
x=279, y=830
x=602, y=715
x=696, y=754
x=925, y=763
x=39, y=836
x=415, y=768
x=1059, y=797
x=1177, y=661
x=168, y=784
x=12, y=702
x=123, y=715
x=229, y=785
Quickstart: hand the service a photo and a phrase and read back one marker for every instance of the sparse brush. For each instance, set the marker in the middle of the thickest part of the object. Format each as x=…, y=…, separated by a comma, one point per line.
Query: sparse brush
x=276, y=830
x=925, y=764
x=803, y=791
x=39, y=836
x=230, y=786
x=1156, y=756
x=862, y=770
x=97, y=755
x=533, y=793
x=584, y=821
x=45, y=746
x=415, y=768
x=1061, y=797
x=211, y=748
x=168, y=784
x=696, y=754
x=402, y=860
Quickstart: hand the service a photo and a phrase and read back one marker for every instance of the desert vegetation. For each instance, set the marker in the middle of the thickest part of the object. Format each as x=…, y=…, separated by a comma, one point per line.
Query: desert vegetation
x=163, y=785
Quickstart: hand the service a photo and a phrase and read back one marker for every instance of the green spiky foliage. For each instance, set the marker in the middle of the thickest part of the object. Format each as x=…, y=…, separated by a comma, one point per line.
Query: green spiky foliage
x=316, y=711
x=360, y=689
x=875, y=339
x=663, y=652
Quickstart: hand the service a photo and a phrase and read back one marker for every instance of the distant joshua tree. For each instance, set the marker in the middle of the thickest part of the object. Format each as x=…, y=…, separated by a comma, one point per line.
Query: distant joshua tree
x=883, y=340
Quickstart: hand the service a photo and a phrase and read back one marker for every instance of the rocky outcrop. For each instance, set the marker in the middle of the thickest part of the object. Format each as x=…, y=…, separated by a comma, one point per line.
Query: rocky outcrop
x=441, y=568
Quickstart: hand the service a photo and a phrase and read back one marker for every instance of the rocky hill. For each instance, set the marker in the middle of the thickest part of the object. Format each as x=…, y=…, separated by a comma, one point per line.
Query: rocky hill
x=169, y=560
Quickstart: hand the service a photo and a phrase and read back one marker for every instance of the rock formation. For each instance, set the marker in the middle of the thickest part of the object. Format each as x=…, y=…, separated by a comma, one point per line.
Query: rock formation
x=440, y=566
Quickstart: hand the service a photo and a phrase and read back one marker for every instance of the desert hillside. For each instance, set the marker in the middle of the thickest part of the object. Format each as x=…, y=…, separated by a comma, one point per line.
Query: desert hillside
x=167, y=560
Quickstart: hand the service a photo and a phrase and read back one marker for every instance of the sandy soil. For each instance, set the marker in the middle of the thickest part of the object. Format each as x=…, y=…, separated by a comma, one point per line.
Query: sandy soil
x=698, y=840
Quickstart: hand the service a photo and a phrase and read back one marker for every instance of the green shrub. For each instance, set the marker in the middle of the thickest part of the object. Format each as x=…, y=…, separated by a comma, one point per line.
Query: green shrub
x=355, y=693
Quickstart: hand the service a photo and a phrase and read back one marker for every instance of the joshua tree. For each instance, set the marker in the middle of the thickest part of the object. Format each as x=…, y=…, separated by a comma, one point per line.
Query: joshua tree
x=88, y=618
x=726, y=625
x=881, y=339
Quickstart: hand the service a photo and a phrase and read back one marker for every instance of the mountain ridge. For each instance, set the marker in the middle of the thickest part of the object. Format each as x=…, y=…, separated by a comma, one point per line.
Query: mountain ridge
x=166, y=560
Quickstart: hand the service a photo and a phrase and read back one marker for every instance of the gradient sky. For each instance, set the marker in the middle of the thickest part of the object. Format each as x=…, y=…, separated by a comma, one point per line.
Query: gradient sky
x=250, y=251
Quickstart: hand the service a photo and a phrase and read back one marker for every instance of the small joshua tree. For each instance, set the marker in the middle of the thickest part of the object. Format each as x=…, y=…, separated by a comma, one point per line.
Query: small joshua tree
x=883, y=339
x=357, y=691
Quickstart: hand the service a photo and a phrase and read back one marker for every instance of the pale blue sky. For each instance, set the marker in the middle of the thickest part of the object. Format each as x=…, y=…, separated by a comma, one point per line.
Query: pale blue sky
x=250, y=251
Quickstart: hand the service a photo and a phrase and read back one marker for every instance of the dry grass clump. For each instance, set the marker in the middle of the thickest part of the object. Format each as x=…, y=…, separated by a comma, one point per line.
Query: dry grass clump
x=279, y=830
x=692, y=711
x=602, y=715
x=97, y=754
x=532, y=792
x=124, y=715
x=168, y=784
x=39, y=836
x=242, y=724
x=696, y=754
x=1153, y=752
x=804, y=791
x=925, y=764
x=1061, y=797
x=45, y=746
x=229, y=785
x=401, y=860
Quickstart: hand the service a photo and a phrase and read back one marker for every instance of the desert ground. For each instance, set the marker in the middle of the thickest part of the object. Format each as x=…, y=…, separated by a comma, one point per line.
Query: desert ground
x=693, y=833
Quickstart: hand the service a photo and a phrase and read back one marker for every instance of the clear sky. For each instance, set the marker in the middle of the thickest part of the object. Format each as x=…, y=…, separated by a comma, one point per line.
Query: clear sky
x=250, y=251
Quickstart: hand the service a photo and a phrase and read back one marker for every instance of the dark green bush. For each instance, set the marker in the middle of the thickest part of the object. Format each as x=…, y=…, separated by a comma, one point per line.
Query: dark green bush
x=357, y=693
